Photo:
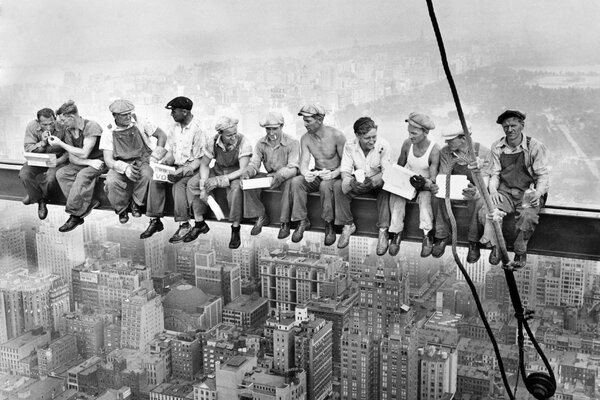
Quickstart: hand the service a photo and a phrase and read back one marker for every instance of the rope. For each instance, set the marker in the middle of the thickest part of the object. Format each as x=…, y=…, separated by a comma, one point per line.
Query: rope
x=508, y=269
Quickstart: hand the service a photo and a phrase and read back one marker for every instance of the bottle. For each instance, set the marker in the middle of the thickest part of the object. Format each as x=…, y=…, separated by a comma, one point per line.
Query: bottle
x=528, y=196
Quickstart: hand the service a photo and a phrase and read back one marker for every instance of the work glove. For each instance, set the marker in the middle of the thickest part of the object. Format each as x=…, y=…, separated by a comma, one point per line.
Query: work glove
x=175, y=176
x=220, y=181
x=277, y=180
x=132, y=172
x=418, y=182
x=470, y=192
x=158, y=153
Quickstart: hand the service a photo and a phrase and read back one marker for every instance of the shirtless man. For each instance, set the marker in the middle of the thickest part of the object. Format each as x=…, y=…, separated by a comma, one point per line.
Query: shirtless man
x=420, y=155
x=326, y=145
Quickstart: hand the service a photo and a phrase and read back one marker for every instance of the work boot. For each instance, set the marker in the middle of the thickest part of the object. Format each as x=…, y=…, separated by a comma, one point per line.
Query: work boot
x=258, y=225
x=298, y=234
x=199, y=228
x=26, y=200
x=329, y=233
x=123, y=217
x=136, y=210
x=284, y=231
x=181, y=233
x=154, y=226
x=72, y=223
x=494, y=256
x=235, y=241
x=474, y=253
x=427, y=246
x=345, y=236
x=42, y=209
x=395, y=243
x=383, y=242
x=439, y=247
x=520, y=260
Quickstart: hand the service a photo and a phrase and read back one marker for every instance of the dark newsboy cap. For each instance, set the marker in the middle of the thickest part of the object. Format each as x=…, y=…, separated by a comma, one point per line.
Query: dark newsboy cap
x=509, y=114
x=180, y=102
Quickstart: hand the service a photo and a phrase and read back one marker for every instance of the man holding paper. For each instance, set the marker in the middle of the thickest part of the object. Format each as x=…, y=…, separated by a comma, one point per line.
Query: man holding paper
x=78, y=179
x=231, y=152
x=280, y=154
x=326, y=145
x=454, y=160
x=128, y=153
x=362, y=166
x=420, y=155
x=40, y=181
x=184, y=143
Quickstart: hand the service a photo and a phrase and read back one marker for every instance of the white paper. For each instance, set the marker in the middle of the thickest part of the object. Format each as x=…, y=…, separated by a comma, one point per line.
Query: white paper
x=396, y=180
x=457, y=184
x=216, y=209
x=256, y=183
x=161, y=171
x=41, y=159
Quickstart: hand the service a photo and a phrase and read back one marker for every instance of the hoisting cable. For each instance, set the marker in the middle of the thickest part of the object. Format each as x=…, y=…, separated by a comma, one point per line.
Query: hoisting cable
x=540, y=385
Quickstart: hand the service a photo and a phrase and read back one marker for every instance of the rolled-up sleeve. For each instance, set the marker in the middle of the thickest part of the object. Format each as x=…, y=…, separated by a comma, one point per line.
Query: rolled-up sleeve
x=32, y=142
x=209, y=147
x=347, y=163
x=245, y=148
x=257, y=158
x=198, y=143
x=386, y=156
x=495, y=166
x=539, y=165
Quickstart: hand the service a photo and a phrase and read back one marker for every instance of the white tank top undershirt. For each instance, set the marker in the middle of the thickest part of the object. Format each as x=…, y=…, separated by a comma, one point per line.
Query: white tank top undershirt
x=420, y=165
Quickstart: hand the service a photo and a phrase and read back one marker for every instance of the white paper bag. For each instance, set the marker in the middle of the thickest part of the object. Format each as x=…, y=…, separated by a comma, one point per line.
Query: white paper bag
x=47, y=160
x=396, y=180
x=457, y=184
x=256, y=183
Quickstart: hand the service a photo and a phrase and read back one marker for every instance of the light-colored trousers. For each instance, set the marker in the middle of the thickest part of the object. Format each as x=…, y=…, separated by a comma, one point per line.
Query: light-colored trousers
x=398, y=212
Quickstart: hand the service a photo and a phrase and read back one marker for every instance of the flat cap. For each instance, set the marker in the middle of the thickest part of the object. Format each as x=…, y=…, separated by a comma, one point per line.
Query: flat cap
x=509, y=114
x=273, y=119
x=308, y=110
x=180, y=102
x=419, y=120
x=225, y=123
x=121, y=106
x=454, y=130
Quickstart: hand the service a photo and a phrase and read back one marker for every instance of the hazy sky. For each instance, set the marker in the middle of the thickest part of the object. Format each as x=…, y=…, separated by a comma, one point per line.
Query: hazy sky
x=58, y=32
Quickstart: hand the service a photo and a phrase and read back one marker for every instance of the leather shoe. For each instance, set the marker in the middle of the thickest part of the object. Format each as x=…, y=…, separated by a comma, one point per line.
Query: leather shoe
x=494, y=256
x=395, y=243
x=181, y=233
x=298, y=234
x=136, y=211
x=474, y=253
x=345, y=236
x=42, y=209
x=439, y=247
x=427, y=246
x=26, y=200
x=329, y=233
x=383, y=242
x=72, y=223
x=155, y=226
x=284, y=231
x=199, y=228
x=258, y=225
x=520, y=260
x=235, y=241
x=124, y=217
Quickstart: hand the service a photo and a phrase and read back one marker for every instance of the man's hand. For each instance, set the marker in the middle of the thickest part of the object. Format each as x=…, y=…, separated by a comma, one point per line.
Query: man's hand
x=478, y=164
x=204, y=195
x=496, y=198
x=434, y=188
x=54, y=141
x=245, y=174
x=418, y=182
x=176, y=176
x=211, y=184
x=376, y=181
x=347, y=185
x=470, y=192
x=310, y=176
x=535, y=199
x=327, y=175
x=132, y=173
x=277, y=180
x=96, y=164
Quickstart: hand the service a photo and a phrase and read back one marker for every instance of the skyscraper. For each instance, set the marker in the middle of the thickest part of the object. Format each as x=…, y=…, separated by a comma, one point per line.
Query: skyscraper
x=141, y=318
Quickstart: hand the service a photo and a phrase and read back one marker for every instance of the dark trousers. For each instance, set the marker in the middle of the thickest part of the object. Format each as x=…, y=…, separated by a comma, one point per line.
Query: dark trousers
x=300, y=189
x=343, y=203
x=38, y=181
x=120, y=190
x=254, y=208
x=157, y=195
x=442, y=220
x=77, y=183
x=235, y=198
